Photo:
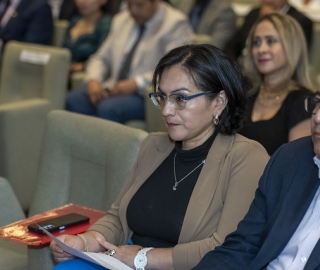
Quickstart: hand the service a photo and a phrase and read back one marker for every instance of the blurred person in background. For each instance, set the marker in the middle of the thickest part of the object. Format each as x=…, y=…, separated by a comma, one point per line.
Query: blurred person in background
x=86, y=32
x=63, y=9
x=214, y=21
x=277, y=64
x=26, y=21
x=235, y=47
x=120, y=71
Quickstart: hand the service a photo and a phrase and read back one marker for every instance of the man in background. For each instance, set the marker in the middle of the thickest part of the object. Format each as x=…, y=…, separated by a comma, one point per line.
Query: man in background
x=214, y=21
x=118, y=74
x=26, y=21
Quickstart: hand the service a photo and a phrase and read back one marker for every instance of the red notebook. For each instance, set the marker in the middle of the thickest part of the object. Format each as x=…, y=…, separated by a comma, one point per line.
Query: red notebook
x=19, y=232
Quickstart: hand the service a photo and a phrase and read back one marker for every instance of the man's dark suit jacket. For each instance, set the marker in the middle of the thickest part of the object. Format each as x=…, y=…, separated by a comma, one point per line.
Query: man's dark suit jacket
x=285, y=192
x=235, y=46
x=31, y=22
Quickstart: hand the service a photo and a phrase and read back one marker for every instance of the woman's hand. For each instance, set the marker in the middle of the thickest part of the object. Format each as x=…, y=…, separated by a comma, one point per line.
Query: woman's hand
x=125, y=254
x=70, y=240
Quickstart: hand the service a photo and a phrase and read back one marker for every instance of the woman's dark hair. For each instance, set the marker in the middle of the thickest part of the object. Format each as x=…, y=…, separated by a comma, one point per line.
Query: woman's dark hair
x=211, y=70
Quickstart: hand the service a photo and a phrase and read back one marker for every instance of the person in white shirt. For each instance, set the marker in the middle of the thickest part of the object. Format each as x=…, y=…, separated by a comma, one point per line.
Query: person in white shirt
x=119, y=72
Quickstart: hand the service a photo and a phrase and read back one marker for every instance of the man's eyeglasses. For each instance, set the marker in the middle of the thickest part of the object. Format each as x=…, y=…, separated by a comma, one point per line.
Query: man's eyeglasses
x=312, y=104
x=177, y=100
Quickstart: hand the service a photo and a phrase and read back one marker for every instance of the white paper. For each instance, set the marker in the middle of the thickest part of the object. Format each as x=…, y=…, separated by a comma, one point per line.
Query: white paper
x=98, y=258
x=34, y=57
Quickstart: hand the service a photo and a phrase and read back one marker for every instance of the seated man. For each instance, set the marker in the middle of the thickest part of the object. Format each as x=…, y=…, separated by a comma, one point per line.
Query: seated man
x=122, y=68
x=235, y=46
x=26, y=21
x=281, y=229
x=213, y=19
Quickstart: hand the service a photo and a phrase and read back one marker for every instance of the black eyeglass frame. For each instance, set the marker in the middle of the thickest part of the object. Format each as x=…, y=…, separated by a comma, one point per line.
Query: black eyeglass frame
x=153, y=97
x=315, y=103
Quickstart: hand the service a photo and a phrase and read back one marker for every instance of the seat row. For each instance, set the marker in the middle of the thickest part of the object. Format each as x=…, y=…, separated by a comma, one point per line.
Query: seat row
x=85, y=161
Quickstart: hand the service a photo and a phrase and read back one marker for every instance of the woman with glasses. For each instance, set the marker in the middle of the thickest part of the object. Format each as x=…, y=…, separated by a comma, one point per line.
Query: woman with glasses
x=277, y=64
x=189, y=187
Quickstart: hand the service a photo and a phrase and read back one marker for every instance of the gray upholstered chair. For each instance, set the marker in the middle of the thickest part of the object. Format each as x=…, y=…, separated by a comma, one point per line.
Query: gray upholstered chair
x=34, y=71
x=13, y=256
x=59, y=32
x=33, y=81
x=85, y=160
x=77, y=80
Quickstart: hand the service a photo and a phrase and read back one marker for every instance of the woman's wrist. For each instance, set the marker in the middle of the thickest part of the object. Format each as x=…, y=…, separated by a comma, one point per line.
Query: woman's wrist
x=84, y=240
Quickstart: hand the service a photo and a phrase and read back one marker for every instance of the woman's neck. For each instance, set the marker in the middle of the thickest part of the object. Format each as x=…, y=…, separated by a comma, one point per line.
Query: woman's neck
x=91, y=18
x=199, y=140
x=274, y=84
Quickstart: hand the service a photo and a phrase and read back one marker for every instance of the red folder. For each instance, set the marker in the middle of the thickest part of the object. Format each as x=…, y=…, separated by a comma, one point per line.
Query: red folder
x=19, y=232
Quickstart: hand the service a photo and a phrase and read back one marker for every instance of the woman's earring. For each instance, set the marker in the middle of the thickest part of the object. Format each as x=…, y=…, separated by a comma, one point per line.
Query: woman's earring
x=216, y=120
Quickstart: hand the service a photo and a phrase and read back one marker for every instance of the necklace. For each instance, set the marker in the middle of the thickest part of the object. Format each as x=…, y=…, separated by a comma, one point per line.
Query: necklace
x=268, y=99
x=264, y=94
x=176, y=183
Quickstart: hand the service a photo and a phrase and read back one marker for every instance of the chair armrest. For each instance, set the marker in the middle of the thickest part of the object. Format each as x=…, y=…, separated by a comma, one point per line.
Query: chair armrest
x=40, y=258
x=10, y=209
x=21, y=130
x=77, y=80
x=13, y=255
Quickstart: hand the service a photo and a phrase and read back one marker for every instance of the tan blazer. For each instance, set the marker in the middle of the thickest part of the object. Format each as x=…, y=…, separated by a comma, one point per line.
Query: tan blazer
x=167, y=29
x=217, y=23
x=220, y=199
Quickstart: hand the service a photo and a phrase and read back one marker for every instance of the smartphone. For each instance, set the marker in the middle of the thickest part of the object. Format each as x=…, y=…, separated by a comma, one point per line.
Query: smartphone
x=58, y=223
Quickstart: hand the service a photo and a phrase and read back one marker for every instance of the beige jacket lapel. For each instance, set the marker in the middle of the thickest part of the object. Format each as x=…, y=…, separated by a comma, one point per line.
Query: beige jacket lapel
x=205, y=188
x=158, y=151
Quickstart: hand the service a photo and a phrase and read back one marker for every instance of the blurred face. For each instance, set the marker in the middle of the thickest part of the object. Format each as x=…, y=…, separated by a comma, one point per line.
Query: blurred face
x=275, y=5
x=267, y=50
x=315, y=129
x=192, y=125
x=142, y=10
x=88, y=7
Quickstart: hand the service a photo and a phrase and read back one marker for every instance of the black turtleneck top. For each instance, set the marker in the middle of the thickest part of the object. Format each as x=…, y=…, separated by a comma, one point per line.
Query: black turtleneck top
x=156, y=212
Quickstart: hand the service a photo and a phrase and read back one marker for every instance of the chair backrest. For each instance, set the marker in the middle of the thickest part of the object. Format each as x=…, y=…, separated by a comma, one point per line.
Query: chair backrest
x=153, y=115
x=153, y=119
x=34, y=71
x=59, y=32
x=10, y=209
x=22, y=126
x=85, y=160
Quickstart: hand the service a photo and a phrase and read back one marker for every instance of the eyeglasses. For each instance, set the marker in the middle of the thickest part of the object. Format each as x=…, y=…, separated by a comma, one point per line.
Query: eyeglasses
x=177, y=100
x=312, y=104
